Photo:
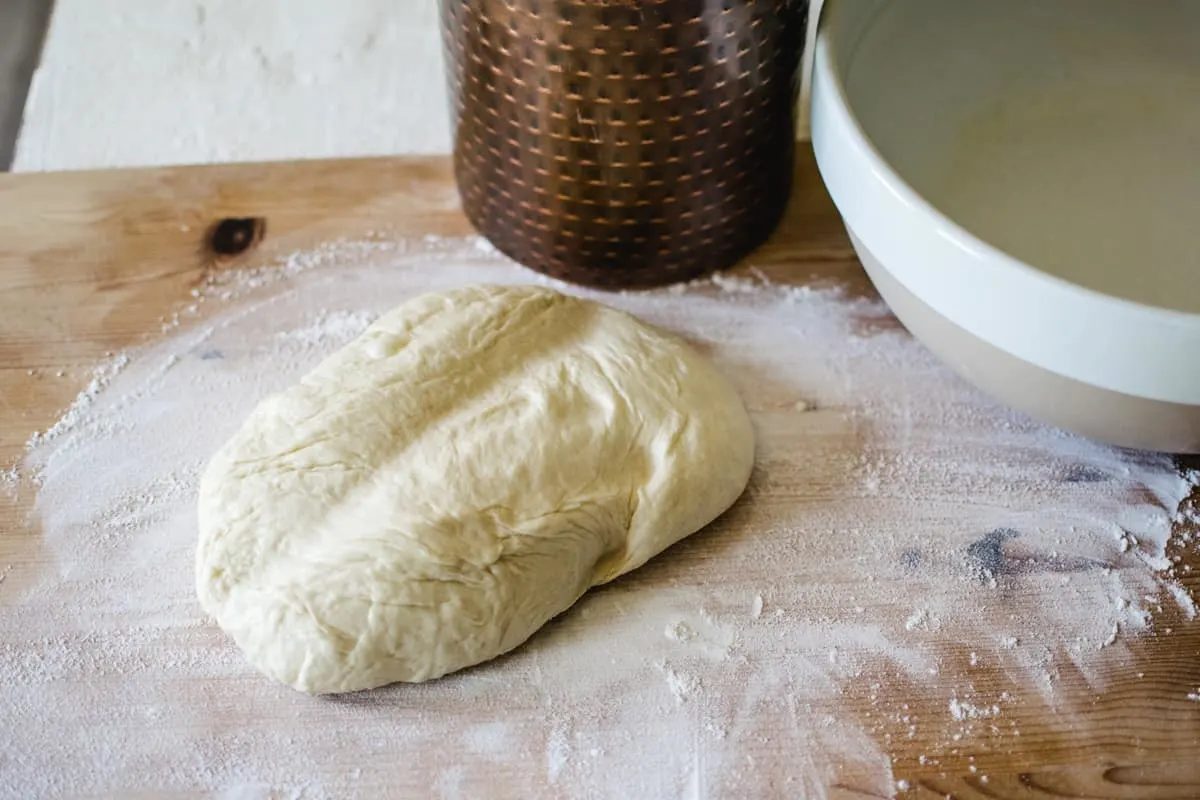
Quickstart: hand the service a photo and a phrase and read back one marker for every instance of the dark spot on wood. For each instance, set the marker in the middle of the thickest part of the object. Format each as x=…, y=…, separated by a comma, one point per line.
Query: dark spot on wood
x=1085, y=473
x=911, y=559
x=990, y=558
x=235, y=235
x=1187, y=463
x=985, y=558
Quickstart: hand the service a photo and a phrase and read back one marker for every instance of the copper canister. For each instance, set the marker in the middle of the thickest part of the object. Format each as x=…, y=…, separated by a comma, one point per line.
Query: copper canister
x=624, y=143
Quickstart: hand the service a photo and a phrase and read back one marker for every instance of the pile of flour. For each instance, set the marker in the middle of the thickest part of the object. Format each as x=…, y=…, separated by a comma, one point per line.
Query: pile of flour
x=911, y=564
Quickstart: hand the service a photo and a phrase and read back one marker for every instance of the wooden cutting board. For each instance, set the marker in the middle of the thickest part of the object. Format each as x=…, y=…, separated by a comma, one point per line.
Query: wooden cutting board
x=91, y=263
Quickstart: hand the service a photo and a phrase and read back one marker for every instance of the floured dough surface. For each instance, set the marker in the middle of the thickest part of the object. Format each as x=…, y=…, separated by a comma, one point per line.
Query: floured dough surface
x=436, y=491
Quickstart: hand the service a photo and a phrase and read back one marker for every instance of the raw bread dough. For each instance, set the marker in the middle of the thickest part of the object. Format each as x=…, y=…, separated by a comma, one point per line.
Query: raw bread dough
x=432, y=494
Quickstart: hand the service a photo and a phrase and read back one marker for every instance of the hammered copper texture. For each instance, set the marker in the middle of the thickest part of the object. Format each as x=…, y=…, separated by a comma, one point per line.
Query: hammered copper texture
x=624, y=142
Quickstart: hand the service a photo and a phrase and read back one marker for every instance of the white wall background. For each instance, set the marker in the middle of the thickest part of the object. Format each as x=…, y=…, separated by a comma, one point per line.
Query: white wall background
x=150, y=82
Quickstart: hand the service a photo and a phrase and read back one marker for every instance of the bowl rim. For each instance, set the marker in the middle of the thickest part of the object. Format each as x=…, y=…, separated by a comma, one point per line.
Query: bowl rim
x=849, y=161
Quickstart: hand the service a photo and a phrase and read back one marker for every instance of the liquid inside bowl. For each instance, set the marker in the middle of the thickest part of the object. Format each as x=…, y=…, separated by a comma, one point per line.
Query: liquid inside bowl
x=1065, y=133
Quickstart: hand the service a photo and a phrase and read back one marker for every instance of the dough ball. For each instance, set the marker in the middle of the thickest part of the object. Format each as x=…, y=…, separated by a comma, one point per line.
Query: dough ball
x=436, y=491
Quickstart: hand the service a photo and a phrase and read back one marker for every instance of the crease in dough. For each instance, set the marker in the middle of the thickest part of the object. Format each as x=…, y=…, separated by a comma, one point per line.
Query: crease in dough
x=430, y=495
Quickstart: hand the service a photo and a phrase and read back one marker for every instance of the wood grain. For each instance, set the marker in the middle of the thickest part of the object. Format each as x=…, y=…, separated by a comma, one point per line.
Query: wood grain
x=94, y=262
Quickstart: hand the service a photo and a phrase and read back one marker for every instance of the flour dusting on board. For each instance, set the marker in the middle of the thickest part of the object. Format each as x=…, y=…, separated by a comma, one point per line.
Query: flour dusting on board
x=980, y=559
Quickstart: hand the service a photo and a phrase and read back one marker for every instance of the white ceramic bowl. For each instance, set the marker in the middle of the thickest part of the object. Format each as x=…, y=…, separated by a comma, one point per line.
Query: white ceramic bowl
x=1021, y=180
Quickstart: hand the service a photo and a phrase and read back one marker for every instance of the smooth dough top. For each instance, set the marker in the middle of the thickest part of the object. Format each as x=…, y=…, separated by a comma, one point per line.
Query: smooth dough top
x=433, y=493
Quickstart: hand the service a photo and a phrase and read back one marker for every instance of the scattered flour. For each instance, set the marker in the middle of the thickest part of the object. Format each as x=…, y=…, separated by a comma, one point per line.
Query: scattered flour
x=10, y=479
x=682, y=685
x=329, y=328
x=74, y=415
x=1182, y=599
x=900, y=523
x=918, y=621
x=680, y=632
x=558, y=752
x=961, y=710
